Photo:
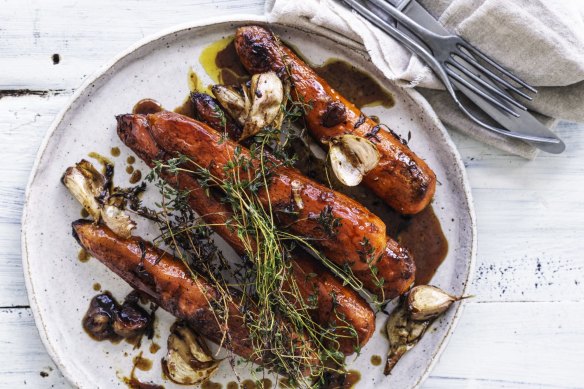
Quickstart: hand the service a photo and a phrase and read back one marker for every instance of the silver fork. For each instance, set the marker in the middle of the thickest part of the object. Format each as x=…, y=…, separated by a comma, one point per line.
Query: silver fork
x=455, y=62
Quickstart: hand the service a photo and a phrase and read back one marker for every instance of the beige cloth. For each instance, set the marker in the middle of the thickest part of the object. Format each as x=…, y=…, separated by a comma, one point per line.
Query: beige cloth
x=542, y=41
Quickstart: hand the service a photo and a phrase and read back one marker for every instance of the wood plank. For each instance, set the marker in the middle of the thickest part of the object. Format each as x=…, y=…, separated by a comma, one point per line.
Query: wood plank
x=538, y=344
x=500, y=345
x=23, y=123
x=529, y=217
x=87, y=34
x=23, y=359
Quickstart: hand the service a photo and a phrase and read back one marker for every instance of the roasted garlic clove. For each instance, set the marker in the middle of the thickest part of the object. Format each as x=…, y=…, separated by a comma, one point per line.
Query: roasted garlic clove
x=118, y=221
x=403, y=334
x=427, y=302
x=267, y=94
x=86, y=184
x=235, y=103
x=188, y=360
x=410, y=319
x=254, y=106
x=352, y=157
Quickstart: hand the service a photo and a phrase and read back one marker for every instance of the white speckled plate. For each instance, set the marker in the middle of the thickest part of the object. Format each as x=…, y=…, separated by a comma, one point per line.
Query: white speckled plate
x=60, y=287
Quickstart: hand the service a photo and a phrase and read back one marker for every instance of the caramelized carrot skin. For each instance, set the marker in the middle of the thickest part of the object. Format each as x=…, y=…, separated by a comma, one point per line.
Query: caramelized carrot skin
x=311, y=278
x=166, y=281
x=342, y=244
x=402, y=179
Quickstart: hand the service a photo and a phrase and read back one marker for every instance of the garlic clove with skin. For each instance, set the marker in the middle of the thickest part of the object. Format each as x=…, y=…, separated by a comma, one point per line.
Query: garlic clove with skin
x=426, y=302
x=351, y=157
x=85, y=184
x=255, y=105
x=188, y=360
x=236, y=104
x=90, y=188
x=267, y=94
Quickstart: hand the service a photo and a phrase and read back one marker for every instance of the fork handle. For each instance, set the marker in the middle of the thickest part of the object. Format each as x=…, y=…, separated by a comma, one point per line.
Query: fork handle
x=407, y=41
x=427, y=36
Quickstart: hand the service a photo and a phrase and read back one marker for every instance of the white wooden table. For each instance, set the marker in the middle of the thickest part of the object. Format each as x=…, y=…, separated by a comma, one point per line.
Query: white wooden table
x=524, y=328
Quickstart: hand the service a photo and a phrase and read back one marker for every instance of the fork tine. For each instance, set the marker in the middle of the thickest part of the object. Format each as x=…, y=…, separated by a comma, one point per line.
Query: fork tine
x=486, y=85
x=473, y=62
x=476, y=90
x=500, y=68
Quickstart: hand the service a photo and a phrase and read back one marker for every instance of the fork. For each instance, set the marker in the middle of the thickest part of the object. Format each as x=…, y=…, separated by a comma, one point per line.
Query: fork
x=455, y=62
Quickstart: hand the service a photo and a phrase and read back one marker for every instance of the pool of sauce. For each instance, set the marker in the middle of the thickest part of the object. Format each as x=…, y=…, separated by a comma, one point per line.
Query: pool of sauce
x=232, y=385
x=97, y=286
x=130, y=169
x=423, y=236
x=222, y=64
x=354, y=84
x=133, y=382
x=187, y=108
x=115, y=151
x=130, y=160
x=84, y=213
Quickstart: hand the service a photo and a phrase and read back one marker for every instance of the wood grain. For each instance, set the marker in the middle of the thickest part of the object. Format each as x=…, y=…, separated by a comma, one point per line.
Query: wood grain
x=523, y=329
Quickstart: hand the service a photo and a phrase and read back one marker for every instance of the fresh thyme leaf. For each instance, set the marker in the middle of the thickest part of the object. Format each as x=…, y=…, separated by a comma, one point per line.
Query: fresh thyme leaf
x=329, y=223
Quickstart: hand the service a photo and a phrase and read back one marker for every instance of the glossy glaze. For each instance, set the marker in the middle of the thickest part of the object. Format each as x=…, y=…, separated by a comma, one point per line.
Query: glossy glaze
x=205, y=147
x=166, y=281
x=401, y=178
x=395, y=266
x=134, y=132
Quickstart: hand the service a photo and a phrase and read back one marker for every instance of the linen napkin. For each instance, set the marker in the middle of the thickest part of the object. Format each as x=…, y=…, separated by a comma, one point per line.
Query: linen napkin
x=541, y=41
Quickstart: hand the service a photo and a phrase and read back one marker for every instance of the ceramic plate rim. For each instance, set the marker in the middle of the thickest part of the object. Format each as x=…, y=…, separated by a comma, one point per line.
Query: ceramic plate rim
x=203, y=23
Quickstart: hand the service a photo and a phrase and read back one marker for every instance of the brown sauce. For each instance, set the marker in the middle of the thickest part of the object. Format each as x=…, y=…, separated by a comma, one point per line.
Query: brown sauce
x=346, y=380
x=423, y=236
x=134, y=383
x=129, y=169
x=142, y=363
x=355, y=85
x=97, y=286
x=84, y=213
x=154, y=347
x=135, y=177
x=83, y=255
x=421, y=233
x=375, y=360
x=232, y=385
x=187, y=108
x=264, y=383
x=211, y=385
x=353, y=376
x=131, y=159
x=222, y=64
x=100, y=158
x=146, y=106
x=115, y=151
